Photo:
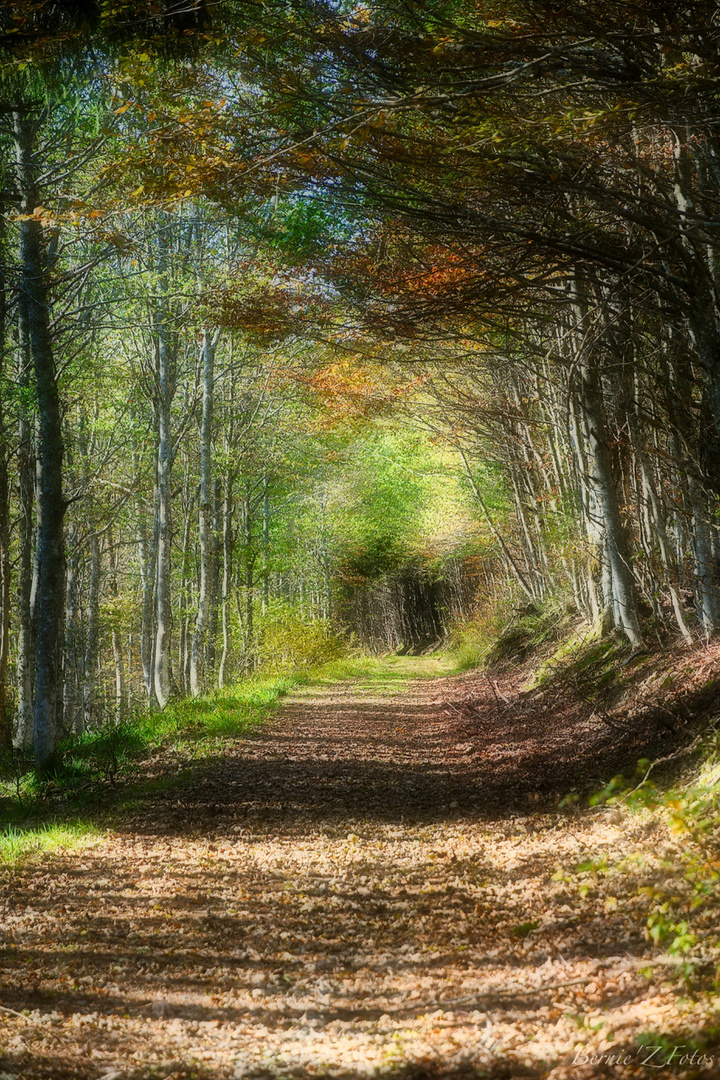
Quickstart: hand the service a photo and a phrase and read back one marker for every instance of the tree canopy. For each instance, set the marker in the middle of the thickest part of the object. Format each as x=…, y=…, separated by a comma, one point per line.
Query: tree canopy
x=351, y=310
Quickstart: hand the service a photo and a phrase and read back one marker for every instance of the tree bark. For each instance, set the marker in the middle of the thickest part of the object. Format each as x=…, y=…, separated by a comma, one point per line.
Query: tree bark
x=227, y=547
x=621, y=583
x=5, y=712
x=165, y=385
x=51, y=503
x=26, y=540
x=118, y=661
x=209, y=344
x=71, y=665
x=91, y=640
x=146, y=551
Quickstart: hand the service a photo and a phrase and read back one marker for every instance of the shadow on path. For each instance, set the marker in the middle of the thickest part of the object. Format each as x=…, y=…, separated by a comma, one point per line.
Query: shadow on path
x=358, y=891
x=349, y=751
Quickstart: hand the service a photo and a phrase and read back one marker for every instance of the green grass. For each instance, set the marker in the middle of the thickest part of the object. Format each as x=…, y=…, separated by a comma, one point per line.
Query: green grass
x=20, y=845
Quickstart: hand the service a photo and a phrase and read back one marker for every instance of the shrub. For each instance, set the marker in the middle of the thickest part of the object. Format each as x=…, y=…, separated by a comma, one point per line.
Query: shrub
x=289, y=640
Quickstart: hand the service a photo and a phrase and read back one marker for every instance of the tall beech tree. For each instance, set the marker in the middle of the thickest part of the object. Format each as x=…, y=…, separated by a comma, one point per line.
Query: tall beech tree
x=34, y=290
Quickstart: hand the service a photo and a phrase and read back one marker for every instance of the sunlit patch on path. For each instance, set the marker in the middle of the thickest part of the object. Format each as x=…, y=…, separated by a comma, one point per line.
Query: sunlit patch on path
x=326, y=901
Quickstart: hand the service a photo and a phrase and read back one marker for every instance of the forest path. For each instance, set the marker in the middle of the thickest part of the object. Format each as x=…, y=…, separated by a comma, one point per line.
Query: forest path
x=341, y=895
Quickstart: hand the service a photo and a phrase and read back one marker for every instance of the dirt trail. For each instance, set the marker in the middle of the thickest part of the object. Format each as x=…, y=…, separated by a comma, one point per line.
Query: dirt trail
x=353, y=892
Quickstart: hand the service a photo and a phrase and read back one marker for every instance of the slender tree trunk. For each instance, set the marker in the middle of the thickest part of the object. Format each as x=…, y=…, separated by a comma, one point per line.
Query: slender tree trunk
x=186, y=584
x=522, y=580
x=118, y=661
x=26, y=540
x=51, y=504
x=249, y=582
x=227, y=546
x=147, y=550
x=209, y=344
x=212, y=634
x=265, y=545
x=91, y=641
x=163, y=610
x=165, y=382
x=6, y=731
x=71, y=664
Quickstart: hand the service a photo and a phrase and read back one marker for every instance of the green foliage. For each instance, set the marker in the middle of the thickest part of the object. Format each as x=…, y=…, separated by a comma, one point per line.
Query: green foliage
x=301, y=226
x=470, y=642
x=611, y=789
x=398, y=501
x=663, y=928
x=664, y=1051
x=289, y=640
x=525, y=928
x=17, y=845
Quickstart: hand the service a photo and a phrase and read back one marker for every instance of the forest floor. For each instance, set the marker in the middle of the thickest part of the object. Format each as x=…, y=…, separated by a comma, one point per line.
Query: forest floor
x=382, y=881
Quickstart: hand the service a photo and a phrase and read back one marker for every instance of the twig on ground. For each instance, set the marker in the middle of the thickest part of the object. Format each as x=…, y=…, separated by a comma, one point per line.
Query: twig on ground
x=670, y=757
x=495, y=693
x=14, y=1012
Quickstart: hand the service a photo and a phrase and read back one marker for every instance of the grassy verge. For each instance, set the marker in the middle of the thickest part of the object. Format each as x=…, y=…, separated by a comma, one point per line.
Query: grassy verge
x=19, y=845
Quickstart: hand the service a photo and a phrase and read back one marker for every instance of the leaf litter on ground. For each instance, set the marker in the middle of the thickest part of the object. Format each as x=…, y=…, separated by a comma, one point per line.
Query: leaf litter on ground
x=382, y=883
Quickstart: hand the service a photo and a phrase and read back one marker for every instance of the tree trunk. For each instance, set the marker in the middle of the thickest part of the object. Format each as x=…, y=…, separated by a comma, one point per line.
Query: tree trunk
x=91, y=640
x=165, y=385
x=5, y=712
x=26, y=540
x=621, y=583
x=205, y=512
x=146, y=551
x=71, y=665
x=118, y=661
x=618, y=579
x=227, y=547
x=51, y=504
x=212, y=634
x=187, y=573
x=265, y=545
x=249, y=581
x=163, y=611
x=522, y=581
